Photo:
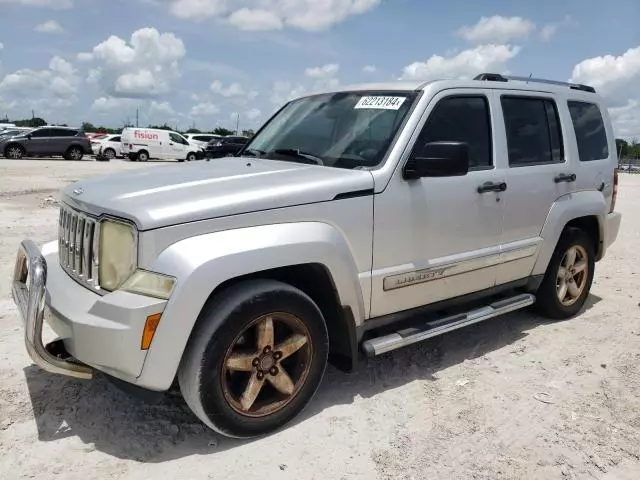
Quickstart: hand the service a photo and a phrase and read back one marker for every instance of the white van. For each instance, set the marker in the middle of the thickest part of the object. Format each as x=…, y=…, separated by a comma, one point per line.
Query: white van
x=142, y=144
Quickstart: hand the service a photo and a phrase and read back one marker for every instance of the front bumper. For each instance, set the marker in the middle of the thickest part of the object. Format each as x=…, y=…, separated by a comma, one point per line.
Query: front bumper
x=98, y=332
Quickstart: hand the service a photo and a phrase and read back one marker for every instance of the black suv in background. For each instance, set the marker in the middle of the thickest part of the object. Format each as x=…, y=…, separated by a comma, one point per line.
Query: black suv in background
x=226, y=146
x=70, y=143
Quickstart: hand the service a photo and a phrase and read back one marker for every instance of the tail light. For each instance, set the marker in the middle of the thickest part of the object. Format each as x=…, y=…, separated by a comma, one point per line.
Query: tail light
x=615, y=190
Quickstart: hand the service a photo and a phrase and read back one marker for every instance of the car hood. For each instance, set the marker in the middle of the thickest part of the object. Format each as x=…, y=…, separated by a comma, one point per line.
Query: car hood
x=159, y=196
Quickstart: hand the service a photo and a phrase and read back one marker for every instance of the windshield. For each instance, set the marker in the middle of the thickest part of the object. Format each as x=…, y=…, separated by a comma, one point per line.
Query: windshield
x=343, y=130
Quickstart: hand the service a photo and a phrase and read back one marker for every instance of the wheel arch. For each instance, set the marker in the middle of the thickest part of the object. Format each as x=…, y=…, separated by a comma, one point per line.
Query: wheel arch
x=14, y=144
x=311, y=256
x=585, y=210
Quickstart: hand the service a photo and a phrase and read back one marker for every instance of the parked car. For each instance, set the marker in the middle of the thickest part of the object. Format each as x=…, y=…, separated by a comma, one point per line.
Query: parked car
x=142, y=144
x=108, y=146
x=70, y=143
x=202, y=139
x=225, y=146
x=358, y=221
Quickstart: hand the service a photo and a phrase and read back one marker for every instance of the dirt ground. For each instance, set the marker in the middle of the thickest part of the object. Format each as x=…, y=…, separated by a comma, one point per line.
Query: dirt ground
x=516, y=397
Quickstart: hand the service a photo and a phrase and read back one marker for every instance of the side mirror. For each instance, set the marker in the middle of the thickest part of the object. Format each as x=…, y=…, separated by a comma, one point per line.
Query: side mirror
x=438, y=159
x=29, y=136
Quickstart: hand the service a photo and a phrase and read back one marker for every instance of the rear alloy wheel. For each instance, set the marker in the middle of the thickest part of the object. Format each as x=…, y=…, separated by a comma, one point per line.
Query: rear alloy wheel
x=15, y=152
x=143, y=156
x=109, y=153
x=569, y=275
x=255, y=359
x=74, y=153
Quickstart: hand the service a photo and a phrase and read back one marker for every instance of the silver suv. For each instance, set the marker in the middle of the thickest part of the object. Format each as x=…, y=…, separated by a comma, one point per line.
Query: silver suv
x=354, y=223
x=70, y=143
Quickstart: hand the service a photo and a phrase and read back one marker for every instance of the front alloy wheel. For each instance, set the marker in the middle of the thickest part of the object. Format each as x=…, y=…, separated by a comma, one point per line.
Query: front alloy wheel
x=261, y=379
x=255, y=358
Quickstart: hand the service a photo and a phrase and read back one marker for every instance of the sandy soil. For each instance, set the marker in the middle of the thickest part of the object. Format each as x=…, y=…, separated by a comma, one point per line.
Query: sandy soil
x=512, y=398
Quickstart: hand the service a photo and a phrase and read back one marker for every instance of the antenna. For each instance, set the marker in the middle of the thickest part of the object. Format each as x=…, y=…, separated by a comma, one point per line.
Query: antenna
x=530, y=75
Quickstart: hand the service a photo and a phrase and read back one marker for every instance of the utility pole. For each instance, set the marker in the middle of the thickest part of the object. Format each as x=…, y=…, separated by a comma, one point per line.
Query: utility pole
x=136, y=118
x=238, y=125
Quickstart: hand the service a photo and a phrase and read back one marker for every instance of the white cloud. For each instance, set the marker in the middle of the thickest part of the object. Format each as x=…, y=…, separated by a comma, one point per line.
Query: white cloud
x=84, y=57
x=370, y=69
x=113, y=104
x=312, y=15
x=58, y=81
x=550, y=29
x=54, y=4
x=147, y=66
x=162, y=107
x=617, y=79
x=283, y=91
x=50, y=26
x=253, y=114
x=325, y=71
x=465, y=64
x=497, y=29
x=255, y=19
x=233, y=90
x=204, y=109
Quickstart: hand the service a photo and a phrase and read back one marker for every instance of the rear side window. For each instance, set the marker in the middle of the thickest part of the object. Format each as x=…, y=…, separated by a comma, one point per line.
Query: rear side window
x=590, y=132
x=42, y=133
x=462, y=119
x=115, y=139
x=533, y=130
x=63, y=132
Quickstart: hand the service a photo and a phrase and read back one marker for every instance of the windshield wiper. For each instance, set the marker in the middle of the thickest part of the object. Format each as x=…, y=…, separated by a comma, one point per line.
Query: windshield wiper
x=295, y=152
x=254, y=152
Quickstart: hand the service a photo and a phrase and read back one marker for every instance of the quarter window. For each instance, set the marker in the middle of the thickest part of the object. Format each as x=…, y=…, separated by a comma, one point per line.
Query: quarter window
x=590, y=132
x=461, y=119
x=533, y=130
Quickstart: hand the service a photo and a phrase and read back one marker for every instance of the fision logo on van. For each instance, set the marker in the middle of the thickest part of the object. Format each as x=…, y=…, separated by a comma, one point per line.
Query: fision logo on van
x=145, y=135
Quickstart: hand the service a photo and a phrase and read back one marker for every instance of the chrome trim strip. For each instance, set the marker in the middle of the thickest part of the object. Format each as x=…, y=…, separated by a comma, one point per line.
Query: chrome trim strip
x=438, y=272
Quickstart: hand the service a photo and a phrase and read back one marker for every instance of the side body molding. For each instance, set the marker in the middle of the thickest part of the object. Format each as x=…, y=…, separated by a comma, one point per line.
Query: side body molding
x=565, y=209
x=202, y=263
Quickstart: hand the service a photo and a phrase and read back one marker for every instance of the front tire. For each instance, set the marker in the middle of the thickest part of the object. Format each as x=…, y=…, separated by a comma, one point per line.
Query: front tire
x=569, y=276
x=191, y=157
x=255, y=359
x=15, y=152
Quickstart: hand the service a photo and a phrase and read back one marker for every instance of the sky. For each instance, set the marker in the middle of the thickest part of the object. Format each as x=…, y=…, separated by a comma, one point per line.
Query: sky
x=206, y=63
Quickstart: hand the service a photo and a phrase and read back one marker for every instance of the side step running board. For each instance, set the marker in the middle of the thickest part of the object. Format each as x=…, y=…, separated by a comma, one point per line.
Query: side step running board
x=402, y=338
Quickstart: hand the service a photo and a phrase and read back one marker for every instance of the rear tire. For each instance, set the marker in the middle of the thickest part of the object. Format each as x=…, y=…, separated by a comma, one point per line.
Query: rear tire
x=569, y=276
x=74, y=153
x=255, y=359
x=191, y=157
x=109, y=153
x=142, y=156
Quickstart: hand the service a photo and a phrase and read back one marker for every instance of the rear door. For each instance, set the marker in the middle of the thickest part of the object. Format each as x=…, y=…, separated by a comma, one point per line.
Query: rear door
x=60, y=139
x=530, y=136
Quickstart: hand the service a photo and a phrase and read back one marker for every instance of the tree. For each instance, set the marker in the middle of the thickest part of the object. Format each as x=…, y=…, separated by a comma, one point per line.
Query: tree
x=248, y=133
x=222, y=131
x=193, y=130
x=623, y=147
x=31, y=122
x=161, y=127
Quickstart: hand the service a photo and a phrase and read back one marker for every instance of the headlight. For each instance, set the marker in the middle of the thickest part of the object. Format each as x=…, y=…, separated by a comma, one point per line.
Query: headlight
x=151, y=284
x=117, y=254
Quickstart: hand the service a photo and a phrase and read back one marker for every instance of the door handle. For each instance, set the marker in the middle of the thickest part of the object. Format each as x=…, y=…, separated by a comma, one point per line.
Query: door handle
x=565, y=177
x=492, y=187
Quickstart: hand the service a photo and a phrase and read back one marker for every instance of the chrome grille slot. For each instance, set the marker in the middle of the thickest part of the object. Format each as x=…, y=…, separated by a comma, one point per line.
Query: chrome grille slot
x=77, y=246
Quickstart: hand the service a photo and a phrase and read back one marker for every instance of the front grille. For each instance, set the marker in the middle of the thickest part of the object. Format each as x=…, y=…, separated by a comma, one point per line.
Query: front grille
x=78, y=236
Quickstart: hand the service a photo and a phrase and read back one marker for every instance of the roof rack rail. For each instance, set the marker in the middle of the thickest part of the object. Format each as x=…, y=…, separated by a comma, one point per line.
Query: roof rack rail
x=496, y=77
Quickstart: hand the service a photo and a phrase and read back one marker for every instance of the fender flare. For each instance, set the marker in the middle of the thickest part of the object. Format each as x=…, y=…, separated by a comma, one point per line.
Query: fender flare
x=564, y=209
x=202, y=263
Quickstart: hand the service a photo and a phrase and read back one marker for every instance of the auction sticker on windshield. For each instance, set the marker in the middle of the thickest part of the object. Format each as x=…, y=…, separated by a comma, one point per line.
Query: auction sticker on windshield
x=380, y=102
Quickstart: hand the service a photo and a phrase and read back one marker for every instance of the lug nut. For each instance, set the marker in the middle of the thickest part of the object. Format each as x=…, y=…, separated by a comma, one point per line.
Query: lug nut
x=277, y=355
x=256, y=362
x=273, y=371
x=267, y=349
x=260, y=375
